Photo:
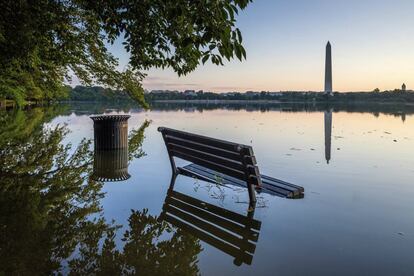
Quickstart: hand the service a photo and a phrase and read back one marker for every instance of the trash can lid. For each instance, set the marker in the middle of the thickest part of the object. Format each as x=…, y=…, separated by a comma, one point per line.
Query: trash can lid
x=110, y=117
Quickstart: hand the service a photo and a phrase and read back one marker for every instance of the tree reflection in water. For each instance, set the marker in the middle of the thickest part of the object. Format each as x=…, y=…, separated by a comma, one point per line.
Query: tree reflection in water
x=144, y=251
x=51, y=218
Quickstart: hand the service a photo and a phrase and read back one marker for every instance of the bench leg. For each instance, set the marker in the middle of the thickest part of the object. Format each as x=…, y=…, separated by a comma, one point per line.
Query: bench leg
x=252, y=194
x=172, y=182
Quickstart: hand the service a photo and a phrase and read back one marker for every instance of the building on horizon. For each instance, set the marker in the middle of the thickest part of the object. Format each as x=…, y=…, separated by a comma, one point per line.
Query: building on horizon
x=403, y=87
x=191, y=93
x=328, y=69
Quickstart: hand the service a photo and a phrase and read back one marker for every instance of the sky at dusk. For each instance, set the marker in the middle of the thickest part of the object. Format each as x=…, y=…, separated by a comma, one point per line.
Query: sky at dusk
x=372, y=46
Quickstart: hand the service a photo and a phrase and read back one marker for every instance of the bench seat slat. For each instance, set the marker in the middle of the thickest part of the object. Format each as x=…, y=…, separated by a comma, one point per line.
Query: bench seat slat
x=210, y=175
x=214, y=176
x=278, y=182
x=269, y=184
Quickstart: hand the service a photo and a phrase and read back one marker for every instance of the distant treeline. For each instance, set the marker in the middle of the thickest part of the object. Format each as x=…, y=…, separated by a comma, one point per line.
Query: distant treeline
x=97, y=94
x=101, y=94
x=396, y=96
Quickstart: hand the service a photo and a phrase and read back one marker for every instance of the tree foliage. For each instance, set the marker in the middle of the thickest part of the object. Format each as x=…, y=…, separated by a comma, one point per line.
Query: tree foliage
x=43, y=42
x=97, y=94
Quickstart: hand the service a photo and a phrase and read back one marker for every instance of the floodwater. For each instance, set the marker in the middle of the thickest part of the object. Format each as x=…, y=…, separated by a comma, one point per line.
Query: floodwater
x=356, y=165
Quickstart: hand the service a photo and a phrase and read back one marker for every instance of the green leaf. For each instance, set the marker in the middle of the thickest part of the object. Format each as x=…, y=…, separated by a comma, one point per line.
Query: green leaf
x=238, y=51
x=243, y=52
x=239, y=35
x=205, y=58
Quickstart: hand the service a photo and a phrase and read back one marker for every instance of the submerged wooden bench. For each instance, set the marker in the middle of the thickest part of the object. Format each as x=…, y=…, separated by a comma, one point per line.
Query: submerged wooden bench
x=223, y=162
x=230, y=232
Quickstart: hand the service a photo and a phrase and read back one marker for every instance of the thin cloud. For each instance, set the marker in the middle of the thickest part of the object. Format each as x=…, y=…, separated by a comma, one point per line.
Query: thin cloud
x=233, y=88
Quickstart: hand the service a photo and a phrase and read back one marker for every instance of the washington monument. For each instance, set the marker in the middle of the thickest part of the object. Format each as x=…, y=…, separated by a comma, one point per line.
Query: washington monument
x=328, y=70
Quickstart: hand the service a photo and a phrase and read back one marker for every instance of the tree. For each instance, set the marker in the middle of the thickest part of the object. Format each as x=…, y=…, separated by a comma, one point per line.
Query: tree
x=43, y=42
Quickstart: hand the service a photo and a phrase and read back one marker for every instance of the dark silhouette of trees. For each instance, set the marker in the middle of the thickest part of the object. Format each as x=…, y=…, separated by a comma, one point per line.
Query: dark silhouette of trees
x=51, y=217
x=145, y=251
x=45, y=198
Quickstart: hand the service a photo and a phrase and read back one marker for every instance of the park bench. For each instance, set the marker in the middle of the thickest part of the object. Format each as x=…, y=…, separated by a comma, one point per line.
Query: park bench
x=223, y=162
x=232, y=233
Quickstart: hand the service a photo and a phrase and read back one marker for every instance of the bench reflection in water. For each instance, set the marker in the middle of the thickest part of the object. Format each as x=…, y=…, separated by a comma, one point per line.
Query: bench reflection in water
x=230, y=232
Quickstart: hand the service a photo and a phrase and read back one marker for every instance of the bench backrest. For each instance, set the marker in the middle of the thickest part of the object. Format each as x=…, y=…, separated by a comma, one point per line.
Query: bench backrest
x=230, y=232
x=225, y=157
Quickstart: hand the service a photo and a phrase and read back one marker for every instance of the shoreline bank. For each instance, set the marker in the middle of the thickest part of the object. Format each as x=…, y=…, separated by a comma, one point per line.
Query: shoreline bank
x=282, y=102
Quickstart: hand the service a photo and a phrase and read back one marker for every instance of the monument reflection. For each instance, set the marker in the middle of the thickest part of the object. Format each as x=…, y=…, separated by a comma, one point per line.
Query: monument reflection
x=328, y=134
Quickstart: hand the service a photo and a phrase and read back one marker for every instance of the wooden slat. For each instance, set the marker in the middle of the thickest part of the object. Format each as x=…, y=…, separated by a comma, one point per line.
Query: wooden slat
x=197, y=175
x=236, y=165
x=247, y=151
x=281, y=182
x=204, y=148
x=250, y=160
x=230, y=146
x=226, y=180
x=253, y=171
x=212, y=176
x=224, y=247
x=274, y=190
x=270, y=185
x=235, y=156
x=214, y=219
x=211, y=229
x=265, y=188
x=211, y=165
x=240, y=219
x=191, y=170
x=250, y=163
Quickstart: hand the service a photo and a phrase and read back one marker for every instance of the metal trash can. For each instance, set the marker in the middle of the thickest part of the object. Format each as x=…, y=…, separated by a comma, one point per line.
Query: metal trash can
x=111, y=147
x=110, y=131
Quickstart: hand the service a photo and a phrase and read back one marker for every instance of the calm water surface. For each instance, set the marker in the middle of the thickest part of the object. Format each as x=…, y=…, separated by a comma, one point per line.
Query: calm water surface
x=356, y=217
